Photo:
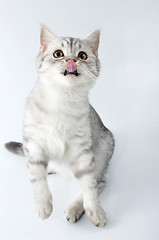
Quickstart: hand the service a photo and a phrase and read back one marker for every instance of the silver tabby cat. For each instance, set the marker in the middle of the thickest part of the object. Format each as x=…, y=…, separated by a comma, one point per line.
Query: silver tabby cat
x=62, y=131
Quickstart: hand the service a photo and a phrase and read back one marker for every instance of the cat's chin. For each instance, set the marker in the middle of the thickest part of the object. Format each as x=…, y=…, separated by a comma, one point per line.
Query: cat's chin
x=70, y=80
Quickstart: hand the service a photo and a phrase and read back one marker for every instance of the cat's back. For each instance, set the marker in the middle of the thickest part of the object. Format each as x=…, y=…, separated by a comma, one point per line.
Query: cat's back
x=97, y=125
x=101, y=136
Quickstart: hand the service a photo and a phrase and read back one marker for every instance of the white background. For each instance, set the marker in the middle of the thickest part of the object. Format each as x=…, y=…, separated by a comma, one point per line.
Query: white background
x=126, y=96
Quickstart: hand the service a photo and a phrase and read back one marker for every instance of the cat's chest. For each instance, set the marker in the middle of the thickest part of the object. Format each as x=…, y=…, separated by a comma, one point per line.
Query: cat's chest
x=61, y=133
x=58, y=129
x=49, y=126
x=59, y=124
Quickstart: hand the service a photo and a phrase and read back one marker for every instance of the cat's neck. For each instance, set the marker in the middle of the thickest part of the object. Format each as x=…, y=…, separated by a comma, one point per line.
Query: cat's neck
x=55, y=97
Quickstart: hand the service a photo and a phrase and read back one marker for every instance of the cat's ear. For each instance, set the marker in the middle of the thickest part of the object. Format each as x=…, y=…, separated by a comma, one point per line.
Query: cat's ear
x=46, y=37
x=93, y=40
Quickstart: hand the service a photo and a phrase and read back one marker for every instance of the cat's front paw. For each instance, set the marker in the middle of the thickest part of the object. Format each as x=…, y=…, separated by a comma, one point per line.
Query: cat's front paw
x=74, y=211
x=44, y=208
x=97, y=216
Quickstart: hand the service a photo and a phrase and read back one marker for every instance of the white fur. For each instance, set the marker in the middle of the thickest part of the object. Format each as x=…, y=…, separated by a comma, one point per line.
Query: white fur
x=57, y=129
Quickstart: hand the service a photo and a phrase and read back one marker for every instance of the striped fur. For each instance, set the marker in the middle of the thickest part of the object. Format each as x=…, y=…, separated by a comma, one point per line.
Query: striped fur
x=15, y=147
x=62, y=131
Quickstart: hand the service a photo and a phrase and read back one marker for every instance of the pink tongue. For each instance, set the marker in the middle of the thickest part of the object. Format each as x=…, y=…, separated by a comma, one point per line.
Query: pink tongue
x=71, y=66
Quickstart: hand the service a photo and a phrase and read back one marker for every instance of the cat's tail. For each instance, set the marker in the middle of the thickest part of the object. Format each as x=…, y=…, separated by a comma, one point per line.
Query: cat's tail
x=15, y=147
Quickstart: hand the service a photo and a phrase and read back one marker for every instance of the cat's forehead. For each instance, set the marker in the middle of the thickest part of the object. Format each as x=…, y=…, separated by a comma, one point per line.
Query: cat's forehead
x=72, y=43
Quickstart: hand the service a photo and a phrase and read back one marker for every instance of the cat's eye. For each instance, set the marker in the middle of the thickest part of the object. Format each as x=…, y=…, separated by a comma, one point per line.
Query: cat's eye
x=58, y=54
x=82, y=55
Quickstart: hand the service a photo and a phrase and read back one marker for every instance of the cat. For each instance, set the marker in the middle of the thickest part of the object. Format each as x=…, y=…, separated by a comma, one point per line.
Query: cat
x=62, y=131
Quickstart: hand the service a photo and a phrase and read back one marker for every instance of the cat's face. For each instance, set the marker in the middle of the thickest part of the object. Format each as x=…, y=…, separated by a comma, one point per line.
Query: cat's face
x=69, y=61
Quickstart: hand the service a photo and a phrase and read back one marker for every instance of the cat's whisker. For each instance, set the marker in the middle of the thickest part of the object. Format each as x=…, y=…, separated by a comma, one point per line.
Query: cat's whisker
x=88, y=72
x=57, y=68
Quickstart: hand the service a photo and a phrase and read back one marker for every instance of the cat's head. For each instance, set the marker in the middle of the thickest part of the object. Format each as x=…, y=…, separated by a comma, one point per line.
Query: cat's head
x=69, y=61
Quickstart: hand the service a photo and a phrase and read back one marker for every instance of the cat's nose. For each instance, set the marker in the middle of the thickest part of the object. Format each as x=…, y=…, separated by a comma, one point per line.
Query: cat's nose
x=71, y=59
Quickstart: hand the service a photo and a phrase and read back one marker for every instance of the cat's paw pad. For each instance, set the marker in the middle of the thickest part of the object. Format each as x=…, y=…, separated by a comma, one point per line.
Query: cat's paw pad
x=44, y=209
x=97, y=216
x=74, y=212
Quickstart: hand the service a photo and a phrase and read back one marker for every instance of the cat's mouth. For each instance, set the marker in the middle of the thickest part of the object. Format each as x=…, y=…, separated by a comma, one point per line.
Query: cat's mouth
x=74, y=72
x=71, y=67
